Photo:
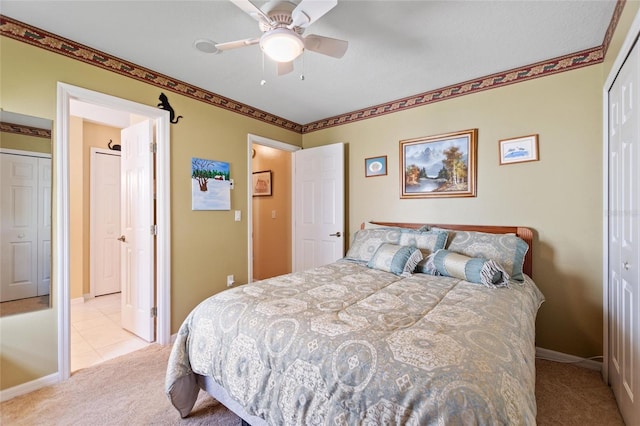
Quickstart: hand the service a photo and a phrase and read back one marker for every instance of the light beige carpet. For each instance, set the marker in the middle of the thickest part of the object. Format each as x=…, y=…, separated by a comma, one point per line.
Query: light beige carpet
x=21, y=306
x=129, y=390
x=569, y=395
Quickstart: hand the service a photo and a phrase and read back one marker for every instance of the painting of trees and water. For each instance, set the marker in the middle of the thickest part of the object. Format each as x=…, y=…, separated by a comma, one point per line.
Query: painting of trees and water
x=439, y=166
x=210, y=185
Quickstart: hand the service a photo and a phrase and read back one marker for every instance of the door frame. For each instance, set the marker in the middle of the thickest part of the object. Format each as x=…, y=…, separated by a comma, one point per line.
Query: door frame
x=61, y=255
x=630, y=39
x=283, y=146
x=92, y=211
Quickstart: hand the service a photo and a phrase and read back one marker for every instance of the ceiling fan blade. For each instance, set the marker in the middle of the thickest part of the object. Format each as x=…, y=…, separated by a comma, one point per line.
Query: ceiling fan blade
x=236, y=44
x=252, y=10
x=326, y=45
x=309, y=11
x=285, y=67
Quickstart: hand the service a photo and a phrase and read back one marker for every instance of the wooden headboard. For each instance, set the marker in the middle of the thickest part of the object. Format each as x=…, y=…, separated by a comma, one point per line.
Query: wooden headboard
x=525, y=233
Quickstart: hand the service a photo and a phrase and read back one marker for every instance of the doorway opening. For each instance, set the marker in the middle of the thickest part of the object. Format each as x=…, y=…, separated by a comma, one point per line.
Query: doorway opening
x=69, y=98
x=270, y=213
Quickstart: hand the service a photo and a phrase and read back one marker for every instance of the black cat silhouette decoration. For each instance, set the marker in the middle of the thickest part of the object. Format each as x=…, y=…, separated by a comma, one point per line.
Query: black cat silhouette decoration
x=164, y=104
x=115, y=147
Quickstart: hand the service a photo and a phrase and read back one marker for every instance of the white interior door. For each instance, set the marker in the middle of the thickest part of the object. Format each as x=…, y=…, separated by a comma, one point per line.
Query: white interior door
x=318, y=206
x=19, y=222
x=137, y=249
x=105, y=222
x=624, y=236
x=44, y=226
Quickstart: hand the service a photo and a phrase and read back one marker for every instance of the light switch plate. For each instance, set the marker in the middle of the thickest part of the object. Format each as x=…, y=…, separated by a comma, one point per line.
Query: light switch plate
x=238, y=215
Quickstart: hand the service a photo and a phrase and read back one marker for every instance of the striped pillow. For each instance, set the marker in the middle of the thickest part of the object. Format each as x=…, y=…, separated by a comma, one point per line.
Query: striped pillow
x=399, y=260
x=507, y=250
x=475, y=270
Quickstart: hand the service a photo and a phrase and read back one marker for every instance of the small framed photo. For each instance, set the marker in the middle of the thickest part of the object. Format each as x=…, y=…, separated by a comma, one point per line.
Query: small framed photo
x=375, y=166
x=518, y=150
x=262, y=183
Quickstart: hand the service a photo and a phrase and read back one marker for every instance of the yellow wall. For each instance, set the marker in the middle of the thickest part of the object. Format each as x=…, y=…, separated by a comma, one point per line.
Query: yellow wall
x=24, y=142
x=76, y=197
x=559, y=196
x=206, y=245
x=272, y=236
x=84, y=135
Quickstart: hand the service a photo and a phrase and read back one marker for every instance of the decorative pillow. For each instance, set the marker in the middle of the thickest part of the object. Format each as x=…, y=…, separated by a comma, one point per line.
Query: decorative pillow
x=427, y=241
x=475, y=270
x=366, y=242
x=400, y=260
x=507, y=250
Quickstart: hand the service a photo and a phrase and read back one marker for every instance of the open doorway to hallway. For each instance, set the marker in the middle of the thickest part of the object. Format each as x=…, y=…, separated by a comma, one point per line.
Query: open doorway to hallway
x=270, y=207
x=156, y=123
x=98, y=330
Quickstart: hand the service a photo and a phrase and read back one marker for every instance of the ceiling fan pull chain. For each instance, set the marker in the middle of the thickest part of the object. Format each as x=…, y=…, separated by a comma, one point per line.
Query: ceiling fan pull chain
x=302, y=74
x=263, y=81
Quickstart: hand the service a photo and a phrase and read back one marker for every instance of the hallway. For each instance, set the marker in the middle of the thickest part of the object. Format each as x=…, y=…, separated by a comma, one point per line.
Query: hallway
x=96, y=334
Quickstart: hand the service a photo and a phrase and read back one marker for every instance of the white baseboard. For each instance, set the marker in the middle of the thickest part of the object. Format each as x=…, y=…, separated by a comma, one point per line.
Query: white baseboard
x=24, y=388
x=568, y=359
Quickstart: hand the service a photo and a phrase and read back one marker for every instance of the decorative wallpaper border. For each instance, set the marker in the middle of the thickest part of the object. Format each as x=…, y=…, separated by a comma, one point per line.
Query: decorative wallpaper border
x=617, y=12
x=22, y=129
x=23, y=32
x=20, y=31
x=517, y=75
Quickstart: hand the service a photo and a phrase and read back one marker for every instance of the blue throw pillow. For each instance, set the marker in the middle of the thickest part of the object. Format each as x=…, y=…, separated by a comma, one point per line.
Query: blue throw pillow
x=475, y=270
x=399, y=260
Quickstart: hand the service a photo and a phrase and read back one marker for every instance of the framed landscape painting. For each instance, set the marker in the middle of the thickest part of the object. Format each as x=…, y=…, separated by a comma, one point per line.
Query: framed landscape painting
x=439, y=166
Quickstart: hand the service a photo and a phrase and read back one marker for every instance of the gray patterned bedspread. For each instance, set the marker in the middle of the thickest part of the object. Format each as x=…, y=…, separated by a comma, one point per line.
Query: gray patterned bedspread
x=343, y=344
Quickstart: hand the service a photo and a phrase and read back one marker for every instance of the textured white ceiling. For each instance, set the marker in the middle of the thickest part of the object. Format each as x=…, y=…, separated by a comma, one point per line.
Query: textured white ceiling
x=396, y=48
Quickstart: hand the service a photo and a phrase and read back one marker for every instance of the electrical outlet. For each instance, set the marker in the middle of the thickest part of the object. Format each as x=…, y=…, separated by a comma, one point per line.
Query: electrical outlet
x=230, y=280
x=237, y=215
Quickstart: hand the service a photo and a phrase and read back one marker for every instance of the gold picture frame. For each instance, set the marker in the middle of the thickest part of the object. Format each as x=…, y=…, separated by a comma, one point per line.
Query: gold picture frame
x=439, y=166
x=375, y=166
x=518, y=150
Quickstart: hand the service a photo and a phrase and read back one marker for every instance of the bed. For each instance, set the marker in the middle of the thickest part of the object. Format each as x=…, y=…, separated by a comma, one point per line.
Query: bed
x=419, y=324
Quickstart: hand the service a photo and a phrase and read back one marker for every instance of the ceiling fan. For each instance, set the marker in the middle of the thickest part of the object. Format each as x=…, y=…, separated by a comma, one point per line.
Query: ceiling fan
x=282, y=24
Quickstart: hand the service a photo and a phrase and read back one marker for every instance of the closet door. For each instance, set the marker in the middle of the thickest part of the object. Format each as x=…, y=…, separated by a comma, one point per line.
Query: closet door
x=19, y=220
x=105, y=223
x=624, y=236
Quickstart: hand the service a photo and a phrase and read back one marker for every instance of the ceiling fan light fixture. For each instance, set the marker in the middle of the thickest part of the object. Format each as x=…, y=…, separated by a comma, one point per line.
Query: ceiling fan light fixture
x=282, y=44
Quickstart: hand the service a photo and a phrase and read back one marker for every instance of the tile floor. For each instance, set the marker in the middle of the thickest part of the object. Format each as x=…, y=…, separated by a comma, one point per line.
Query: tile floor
x=96, y=334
